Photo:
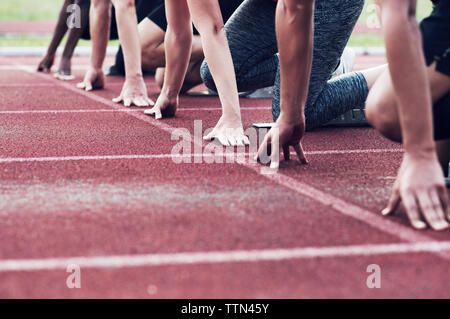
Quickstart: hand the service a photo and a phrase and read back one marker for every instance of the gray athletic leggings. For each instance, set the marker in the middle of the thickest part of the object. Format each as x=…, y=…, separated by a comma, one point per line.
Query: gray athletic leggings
x=253, y=44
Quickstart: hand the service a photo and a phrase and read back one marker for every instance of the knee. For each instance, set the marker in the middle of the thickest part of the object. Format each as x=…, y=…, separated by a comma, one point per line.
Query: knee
x=207, y=77
x=383, y=118
x=147, y=53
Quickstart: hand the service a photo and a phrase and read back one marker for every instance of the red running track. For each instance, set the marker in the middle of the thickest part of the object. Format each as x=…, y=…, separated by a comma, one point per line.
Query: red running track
x=89, y=182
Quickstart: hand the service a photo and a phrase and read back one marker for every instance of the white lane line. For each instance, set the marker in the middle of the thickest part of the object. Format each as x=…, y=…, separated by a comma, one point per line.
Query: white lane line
x=67, y=111
x=160, y=156
x=345, y=208
x=184, y=109
x=215, y=257
x=26, y=85
x=32, y=67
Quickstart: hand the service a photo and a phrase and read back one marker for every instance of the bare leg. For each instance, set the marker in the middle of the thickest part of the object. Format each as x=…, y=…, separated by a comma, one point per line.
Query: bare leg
x=60, y=30
x=382, y=112
x=371, y=75
x=153, y=54
x=381, y=108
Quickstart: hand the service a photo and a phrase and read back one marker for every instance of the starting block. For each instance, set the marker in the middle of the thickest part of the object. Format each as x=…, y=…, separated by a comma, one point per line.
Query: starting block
x=355, y=117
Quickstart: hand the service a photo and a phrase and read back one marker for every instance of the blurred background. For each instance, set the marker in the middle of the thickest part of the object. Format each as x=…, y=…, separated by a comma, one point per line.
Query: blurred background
x=29, y=23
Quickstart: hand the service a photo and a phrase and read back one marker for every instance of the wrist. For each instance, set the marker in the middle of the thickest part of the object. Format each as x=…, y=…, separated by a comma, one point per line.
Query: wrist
x=426, y=152
x=292, y=118
x=170, y=93
x=135, y=76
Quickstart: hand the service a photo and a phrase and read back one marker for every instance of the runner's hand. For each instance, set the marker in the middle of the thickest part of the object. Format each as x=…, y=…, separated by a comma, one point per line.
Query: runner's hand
x=229, y=132
x=134, y=92
x=421, y=188
x=283, y=135
x=164, y=107
x=94, y=79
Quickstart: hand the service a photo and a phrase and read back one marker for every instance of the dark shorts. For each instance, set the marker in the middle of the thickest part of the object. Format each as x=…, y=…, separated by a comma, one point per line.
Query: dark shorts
x=436, y=37
x=436, y=44
x=441, y=117
x=227, y=7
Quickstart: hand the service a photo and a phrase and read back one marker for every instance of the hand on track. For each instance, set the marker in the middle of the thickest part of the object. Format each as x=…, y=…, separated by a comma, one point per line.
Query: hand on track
x=228, y=132
x=46, y=64
x=94, y=79
x=164, y=107
x=134, y=92
x=281, y=136
x=421, y=188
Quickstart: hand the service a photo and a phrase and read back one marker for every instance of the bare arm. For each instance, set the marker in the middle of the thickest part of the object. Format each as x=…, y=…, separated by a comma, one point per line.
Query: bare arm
x=294, y=23
x=58, y=34
x=100, y=17
x=129, y=36
x=134, y=90
x=409, y=75
x=420, y=184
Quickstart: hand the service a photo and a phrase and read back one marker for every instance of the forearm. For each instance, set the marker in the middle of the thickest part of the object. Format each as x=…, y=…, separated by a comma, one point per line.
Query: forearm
x=60, y=29
x=294, y=28
x=217, y=53
x=409, y=75
x=129, y=36
x=208, y=21
x=74, y=34
x=100, y=18
x=178, y=43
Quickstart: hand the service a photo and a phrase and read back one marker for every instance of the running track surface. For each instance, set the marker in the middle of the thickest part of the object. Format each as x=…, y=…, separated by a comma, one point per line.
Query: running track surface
x=84, y=181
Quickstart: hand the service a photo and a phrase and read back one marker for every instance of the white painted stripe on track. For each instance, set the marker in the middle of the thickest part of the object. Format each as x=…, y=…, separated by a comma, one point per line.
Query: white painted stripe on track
x=376, y=221
x=221, y=257
x=161, y=156
x=184, y=109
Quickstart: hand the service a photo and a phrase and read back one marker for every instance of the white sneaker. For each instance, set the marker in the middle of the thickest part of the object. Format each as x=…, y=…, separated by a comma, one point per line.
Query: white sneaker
x=347, y=62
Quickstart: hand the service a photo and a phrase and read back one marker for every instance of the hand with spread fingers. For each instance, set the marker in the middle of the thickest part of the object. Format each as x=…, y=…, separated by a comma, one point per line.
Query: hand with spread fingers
x=134, y=92
x=228, y=132
x=164, y=107
x=283, y=135
x=94, y=79
x=421, y=188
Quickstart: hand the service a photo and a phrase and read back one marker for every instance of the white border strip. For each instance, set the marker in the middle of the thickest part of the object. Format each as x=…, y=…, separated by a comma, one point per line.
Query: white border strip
x=132, y=109
x=161, y=156
x=215, y=257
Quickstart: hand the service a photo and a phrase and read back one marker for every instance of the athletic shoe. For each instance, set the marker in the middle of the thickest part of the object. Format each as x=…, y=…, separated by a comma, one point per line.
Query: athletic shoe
x=347, y=62
x=264, y=93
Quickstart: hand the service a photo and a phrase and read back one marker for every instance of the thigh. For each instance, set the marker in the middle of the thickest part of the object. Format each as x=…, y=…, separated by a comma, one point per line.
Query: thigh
x=150, y=34
x=382, y=95
x=334, y=21
x=251, y=35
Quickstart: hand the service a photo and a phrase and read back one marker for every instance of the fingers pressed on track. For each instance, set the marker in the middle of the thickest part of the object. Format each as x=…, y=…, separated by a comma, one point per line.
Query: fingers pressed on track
x=412, y=210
